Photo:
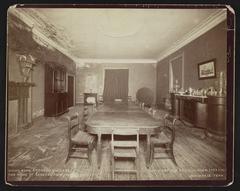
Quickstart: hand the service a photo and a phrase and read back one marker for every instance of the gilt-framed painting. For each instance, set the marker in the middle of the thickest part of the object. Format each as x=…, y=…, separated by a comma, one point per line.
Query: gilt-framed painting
x=207, y=69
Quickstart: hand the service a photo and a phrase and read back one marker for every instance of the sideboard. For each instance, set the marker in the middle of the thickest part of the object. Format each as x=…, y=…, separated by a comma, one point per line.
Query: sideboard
x=206, y=112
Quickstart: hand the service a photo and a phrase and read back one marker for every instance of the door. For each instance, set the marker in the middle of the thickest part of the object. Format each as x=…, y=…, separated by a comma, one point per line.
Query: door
x=70, y=91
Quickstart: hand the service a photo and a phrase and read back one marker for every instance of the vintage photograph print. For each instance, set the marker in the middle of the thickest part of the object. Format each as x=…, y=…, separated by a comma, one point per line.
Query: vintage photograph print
x=98, y=95
x=207, y=69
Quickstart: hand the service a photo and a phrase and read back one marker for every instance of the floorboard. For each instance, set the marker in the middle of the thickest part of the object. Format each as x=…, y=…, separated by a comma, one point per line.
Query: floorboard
x=39, y=153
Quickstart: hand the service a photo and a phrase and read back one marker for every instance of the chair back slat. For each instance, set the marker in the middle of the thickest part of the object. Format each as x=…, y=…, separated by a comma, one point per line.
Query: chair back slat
x=125, y=144
x=73, y=122
x=126, y=139
x=75, y=116
x=170, y=118
x=72, y=126
x=125, y=131
x=169, y=123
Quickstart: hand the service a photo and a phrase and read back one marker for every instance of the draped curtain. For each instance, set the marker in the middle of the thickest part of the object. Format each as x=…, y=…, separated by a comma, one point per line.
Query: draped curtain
x=176, y=72
x=115, y=85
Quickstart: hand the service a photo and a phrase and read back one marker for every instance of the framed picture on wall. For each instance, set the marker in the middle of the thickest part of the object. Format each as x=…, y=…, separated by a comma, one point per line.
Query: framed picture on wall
x=207, y=69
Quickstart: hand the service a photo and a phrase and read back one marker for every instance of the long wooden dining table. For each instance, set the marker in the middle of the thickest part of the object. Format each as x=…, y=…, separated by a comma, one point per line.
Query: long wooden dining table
x=121, y=115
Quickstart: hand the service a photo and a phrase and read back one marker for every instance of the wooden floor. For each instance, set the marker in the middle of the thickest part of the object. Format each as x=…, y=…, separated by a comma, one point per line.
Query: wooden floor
x=39, y=153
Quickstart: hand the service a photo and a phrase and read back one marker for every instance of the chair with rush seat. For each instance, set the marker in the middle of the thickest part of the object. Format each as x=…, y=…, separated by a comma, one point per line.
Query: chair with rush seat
x=85, y=116
x=164, y=140
x=125, y=145
x=79, y=140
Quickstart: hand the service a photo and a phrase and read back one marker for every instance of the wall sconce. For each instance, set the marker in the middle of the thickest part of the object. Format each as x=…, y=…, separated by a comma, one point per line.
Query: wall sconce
x=26, y=64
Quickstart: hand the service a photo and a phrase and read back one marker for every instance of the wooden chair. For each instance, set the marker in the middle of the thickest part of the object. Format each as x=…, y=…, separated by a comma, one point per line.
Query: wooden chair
x=85, y=113
x=164, y=140
x=100, y=99
x=125, y=145
x=155, y=113
x=79, y=140
x=150, y=111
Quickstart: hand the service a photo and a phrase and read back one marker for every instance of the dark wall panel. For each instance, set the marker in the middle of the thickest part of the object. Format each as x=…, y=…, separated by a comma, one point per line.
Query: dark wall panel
x=212, y=44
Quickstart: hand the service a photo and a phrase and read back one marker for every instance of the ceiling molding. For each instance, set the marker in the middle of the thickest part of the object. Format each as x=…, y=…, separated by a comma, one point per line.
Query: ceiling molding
x=84, y=62
x=217, y=17
x=29, y=22
x=207, y=24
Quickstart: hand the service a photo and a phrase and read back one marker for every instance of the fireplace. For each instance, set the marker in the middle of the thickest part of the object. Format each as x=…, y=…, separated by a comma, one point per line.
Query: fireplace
x=19, y=91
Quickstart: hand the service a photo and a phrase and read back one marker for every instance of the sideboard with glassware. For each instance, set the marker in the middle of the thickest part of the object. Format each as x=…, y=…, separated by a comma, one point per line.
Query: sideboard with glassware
x=204, y=111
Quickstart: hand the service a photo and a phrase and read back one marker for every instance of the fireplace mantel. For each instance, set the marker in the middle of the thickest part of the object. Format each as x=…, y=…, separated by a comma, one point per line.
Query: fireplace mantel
x=20, y=91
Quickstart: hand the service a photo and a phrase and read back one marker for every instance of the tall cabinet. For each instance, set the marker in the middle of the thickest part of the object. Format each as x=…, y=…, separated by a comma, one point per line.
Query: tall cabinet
x=56, y=96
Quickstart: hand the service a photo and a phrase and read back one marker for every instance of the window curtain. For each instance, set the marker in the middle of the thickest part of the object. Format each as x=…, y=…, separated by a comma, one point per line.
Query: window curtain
x=115, y=85
x=176, y=72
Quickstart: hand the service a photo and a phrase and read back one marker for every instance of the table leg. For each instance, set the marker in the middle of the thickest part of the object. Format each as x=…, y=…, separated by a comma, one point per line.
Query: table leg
x=99, y=151
x=148, y=151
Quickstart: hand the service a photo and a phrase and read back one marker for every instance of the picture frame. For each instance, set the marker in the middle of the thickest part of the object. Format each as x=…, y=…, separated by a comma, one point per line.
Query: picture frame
x=207, y=69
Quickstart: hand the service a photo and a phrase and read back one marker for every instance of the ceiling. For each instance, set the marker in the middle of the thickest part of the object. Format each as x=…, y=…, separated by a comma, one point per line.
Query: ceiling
x=117, y=33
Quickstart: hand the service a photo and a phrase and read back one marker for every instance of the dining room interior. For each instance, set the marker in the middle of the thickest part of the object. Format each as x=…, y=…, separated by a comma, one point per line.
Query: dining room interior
x=110, y=94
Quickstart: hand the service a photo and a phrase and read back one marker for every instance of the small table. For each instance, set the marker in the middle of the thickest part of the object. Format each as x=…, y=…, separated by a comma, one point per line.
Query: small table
x=119, y=115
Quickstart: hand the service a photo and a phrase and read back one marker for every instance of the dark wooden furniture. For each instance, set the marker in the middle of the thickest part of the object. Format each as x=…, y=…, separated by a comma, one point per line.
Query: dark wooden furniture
x=216, y=116
x=164, y=140
x=79, y=141
x=85, y=116
x=125, y=116
x=191, y=109
x=125, y=145
x=207, y=112
x=56, y=96
x=100, y=99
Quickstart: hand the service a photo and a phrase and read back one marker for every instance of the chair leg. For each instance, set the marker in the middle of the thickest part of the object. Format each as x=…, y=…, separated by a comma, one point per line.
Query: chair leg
x=137, y=167
x=174, y=161
x=173, y=157
x=113, y=168
x=89, y=154
x=170, y=153
x=66, y=159
x=151, y=154
x=69, y=151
